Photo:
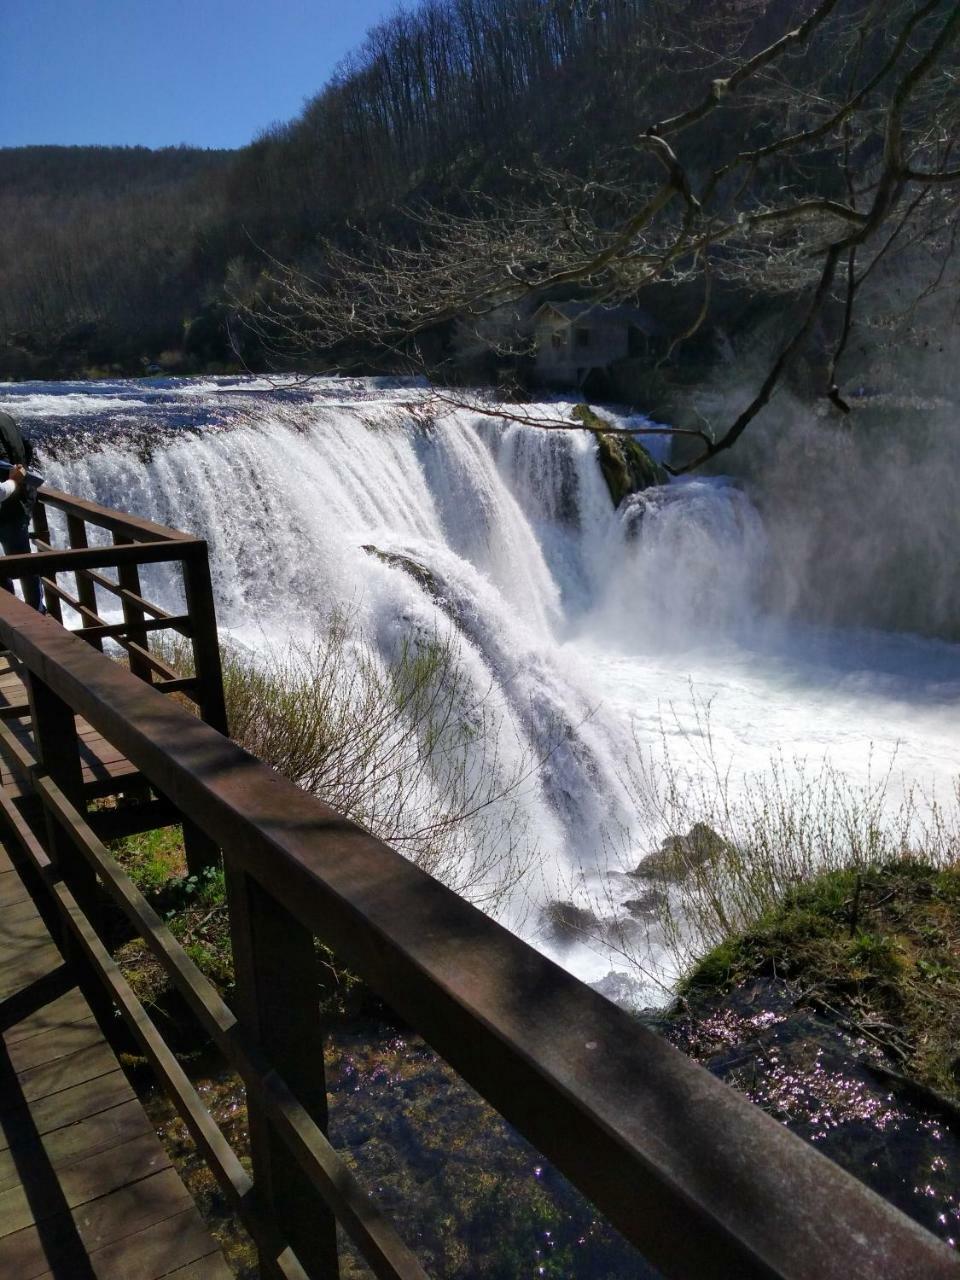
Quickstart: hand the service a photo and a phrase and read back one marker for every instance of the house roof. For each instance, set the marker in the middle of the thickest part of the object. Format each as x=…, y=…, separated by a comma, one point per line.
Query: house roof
x=619, y=315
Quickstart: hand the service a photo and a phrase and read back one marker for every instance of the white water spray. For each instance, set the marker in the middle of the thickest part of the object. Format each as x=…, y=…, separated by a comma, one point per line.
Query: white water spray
x=584, y=624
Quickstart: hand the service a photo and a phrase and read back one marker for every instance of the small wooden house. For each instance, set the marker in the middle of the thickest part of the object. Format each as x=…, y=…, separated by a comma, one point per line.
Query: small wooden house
x=573, y=339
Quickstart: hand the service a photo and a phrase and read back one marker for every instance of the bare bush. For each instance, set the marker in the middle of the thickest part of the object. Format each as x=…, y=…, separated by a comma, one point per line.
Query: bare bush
x=406, y=748
x=730, y=848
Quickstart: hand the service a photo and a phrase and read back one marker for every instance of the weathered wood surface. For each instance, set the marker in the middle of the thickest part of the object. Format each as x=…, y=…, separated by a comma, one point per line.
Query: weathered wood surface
x=86, y=1189
x=104, y=767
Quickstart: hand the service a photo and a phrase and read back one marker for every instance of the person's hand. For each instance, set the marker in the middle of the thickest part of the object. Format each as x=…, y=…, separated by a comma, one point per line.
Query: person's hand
x=18, y=474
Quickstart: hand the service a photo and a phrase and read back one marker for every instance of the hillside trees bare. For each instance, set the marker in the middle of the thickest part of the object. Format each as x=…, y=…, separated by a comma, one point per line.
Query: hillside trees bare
x=599, y=148
x=801, y=152
x=101, y=244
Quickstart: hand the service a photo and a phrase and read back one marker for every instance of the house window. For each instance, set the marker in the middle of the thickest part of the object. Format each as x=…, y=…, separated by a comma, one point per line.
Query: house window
x=556, y=341
x=582, y=337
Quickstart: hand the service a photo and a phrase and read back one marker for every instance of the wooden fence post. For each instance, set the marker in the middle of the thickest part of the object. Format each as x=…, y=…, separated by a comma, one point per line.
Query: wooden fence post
x=206, y=645
x=86, y=591
x=278, y=997
x=198, y=589
x=128, y=576
x=58, y=748
x=41, y=528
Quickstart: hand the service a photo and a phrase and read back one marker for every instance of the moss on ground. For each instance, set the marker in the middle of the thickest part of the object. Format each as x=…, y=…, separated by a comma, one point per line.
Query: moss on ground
x=879, y=945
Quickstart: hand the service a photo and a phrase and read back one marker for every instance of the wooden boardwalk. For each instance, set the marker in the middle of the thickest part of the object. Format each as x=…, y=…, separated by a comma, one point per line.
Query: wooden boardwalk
x=86, y=1189
x=104, y=767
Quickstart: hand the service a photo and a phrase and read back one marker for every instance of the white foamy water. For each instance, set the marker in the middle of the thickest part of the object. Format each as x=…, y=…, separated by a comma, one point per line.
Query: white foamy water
x=586, y=630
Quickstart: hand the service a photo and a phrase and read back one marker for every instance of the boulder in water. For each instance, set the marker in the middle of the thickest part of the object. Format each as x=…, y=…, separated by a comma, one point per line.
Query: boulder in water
x=679, y=855
x=621, y=989
x=647, y=903
x=626, y=465
x=565, y=923
x=414, y=568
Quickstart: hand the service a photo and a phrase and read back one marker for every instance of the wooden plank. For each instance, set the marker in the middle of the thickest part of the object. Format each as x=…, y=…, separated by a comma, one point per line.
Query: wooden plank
x=42, y=531
x=35, y=963
x=58, y=1110
x=180, y=622
x=20, y=925
x=61, y=1011
x=128, y=820
x=108, y=518
x=110, y=1220
x=57, y=1042
x=86, y=592
x=74, y=1068
x=210, y=1268
x=47, y=563
x=64, y=1146
x=88, y=1178
x=12, y=889
x=136, y=1206
x=81, y=1170
x=150, y=1255
x=276, y=992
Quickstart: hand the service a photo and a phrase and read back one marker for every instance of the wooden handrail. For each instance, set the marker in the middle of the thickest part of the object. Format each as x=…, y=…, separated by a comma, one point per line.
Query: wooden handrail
x=136, y=527
x=702, y=1181
x=134, y=542
x=69, y=559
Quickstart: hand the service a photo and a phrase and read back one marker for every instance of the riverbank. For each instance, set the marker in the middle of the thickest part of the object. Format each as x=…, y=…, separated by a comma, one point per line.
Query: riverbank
x=839, y=1014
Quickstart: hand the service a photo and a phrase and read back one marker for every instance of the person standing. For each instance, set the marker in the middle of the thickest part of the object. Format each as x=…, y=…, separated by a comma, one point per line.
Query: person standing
x=17, y=501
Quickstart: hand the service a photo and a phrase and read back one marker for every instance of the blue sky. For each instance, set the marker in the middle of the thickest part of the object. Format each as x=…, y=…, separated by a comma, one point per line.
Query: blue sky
x=212, y=73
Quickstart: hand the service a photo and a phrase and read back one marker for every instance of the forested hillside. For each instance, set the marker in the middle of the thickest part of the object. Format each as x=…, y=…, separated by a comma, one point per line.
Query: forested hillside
x=119, y=257
x=103, y=252
x=124, y=258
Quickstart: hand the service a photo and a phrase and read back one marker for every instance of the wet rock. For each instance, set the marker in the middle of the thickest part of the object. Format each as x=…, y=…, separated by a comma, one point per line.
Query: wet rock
x=830, y=1084
x=419, y=572
x=619, y=988
x=566, y=923
x=626, y=465
x=679, y=855
x=646, y=904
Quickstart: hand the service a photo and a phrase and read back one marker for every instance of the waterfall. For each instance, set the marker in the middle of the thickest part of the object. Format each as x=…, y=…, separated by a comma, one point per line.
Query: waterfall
x=581, y=626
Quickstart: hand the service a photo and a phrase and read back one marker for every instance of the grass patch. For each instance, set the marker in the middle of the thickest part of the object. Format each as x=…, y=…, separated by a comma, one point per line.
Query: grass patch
x=881, y=944
x=194, y=908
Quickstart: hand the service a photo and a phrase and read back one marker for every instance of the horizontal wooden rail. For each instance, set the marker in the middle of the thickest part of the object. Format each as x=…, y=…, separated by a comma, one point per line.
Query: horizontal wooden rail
x=105, y=630
x=703, y=1182
x=109, y=518
x=131, y=597
x=68, y=560
x=134, y=542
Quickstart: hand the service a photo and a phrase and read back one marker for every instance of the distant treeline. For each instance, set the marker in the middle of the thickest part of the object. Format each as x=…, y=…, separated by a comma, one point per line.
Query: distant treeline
x=116, y=258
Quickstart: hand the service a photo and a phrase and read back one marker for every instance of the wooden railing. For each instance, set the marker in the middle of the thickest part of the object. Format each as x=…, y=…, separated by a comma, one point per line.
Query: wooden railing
x=701, y=1181
x=133, y=542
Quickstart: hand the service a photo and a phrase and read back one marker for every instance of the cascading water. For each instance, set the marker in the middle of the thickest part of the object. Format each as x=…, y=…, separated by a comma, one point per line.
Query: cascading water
x=585, y=628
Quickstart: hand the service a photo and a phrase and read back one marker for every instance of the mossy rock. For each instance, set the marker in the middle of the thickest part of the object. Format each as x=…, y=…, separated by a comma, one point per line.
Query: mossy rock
x=564, y=923
x=419, y=572
x=678, y=856
x=881, y=944
x=626, y=465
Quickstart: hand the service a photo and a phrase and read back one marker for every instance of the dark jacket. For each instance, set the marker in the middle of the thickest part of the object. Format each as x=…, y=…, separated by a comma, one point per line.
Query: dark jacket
x=16, y=510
